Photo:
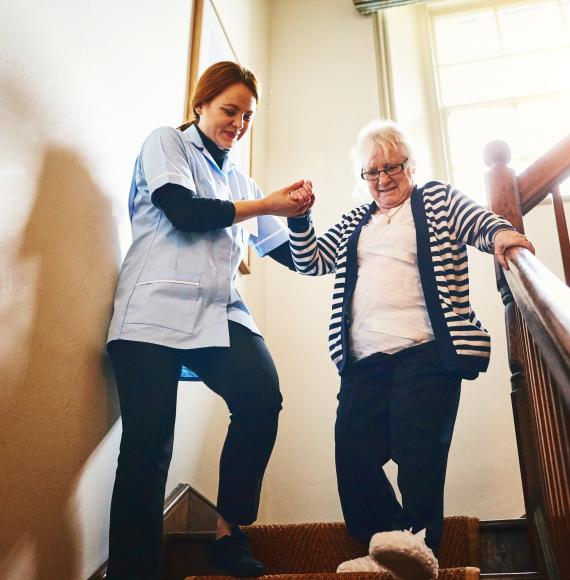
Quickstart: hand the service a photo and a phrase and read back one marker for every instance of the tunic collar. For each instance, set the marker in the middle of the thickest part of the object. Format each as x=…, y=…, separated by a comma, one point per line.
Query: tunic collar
x=192, y=133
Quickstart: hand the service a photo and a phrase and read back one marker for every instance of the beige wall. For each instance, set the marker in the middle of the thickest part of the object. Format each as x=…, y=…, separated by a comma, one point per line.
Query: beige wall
x=483, y=476
x=80, y=87
x=81, y=84
x=77, y=98
x=323, y=90
x=202, y=416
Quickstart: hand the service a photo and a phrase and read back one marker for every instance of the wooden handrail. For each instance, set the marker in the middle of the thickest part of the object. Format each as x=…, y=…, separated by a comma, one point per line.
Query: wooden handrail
x=562, y=228
x=537, y=317
x=544, y=302
x=535, y=181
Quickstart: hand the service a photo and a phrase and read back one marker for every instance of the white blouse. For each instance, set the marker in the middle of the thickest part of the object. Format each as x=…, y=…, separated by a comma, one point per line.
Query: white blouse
x=388, y=307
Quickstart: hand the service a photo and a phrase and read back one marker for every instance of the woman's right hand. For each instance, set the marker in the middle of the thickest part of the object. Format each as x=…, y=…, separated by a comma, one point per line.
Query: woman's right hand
x=291, y=201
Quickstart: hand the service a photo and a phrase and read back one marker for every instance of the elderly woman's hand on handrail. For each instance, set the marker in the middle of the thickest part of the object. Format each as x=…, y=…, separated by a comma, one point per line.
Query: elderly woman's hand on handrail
x=505, y=239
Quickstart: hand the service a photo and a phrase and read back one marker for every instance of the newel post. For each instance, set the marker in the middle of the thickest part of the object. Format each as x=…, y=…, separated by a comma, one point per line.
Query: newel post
x=501, y=181
x=503, y=197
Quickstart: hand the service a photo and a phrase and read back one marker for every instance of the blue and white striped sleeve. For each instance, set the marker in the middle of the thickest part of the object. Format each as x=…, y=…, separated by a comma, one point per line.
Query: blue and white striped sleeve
x=473, y=224
x=311, y=255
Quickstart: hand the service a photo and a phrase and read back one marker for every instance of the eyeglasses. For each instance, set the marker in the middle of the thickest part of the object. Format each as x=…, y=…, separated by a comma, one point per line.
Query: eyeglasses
x=373, y=174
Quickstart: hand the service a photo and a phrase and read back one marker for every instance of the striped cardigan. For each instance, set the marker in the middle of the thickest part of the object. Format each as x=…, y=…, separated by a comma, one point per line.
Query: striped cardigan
x=445, y=221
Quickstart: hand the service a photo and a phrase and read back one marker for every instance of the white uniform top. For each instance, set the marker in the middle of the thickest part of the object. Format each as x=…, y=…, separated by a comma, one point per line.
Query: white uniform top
x=177, y=288
x=388, y=307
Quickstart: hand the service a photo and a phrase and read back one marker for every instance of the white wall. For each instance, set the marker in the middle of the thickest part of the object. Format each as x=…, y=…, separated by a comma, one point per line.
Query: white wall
x=202, y=416
x=483, y=475
x=80, y=87
x=324, y=89
x=81, y=84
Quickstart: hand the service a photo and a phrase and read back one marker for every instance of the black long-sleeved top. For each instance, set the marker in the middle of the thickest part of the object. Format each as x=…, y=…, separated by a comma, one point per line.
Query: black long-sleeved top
x=190, y=213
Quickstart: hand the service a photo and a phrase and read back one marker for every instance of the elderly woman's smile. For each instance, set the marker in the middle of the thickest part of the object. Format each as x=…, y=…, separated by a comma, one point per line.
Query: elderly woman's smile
x=395, y=180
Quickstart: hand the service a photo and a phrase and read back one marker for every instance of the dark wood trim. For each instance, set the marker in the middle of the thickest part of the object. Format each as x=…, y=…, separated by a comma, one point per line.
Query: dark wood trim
x=543, y=300
x=552, y=167
x=514, y=575
x=513, y=524
x=193, y=56
x=505, y=547
x=185, y=510
x=548, y=559
x=175, y=497
x=538, y=332
x=562, y=228
x=100, y=573
x=501, y=183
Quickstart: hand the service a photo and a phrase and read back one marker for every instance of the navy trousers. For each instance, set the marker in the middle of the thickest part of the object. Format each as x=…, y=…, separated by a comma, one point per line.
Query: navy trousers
x=147, y=379
x=401, y=407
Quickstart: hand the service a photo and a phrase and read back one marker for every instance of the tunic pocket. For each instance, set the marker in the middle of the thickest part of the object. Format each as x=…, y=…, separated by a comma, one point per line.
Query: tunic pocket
x=165, y=302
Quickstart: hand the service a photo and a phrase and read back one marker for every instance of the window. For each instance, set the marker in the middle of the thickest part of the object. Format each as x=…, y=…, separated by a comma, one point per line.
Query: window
x=502, y=72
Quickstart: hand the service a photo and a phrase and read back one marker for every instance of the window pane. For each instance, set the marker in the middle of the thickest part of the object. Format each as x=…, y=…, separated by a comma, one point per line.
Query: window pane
x=471, y=181
x=504, y=73
x=566, y=11
x=541, y=122
x=525, y=28
x=466, y=37
x=525, y=74
x=470, y=130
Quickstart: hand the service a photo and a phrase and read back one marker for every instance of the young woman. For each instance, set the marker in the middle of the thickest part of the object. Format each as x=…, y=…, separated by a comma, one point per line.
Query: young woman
x=177, y=307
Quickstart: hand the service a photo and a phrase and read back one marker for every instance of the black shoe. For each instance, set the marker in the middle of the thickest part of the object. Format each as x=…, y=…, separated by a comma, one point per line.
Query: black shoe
x=232, y=555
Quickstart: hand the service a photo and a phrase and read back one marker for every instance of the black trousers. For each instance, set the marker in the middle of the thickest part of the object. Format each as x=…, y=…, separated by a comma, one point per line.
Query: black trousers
x=147, y=377
x=401, y=407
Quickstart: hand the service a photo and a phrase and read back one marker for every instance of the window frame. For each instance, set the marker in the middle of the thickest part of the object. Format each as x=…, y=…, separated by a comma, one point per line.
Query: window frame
x=440, y=129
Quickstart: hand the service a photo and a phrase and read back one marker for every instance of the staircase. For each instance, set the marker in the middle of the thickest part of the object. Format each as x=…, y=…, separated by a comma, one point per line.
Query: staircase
x=537, y=319
x=538, y=331
x=470, y=549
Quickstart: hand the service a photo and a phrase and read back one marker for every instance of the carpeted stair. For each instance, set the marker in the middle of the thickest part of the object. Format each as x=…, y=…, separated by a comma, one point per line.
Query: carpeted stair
x=448, y=574
x=490, y=550
x=313, y=552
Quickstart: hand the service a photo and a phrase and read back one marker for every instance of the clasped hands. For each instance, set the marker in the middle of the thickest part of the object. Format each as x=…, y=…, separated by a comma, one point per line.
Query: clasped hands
x=291, y=201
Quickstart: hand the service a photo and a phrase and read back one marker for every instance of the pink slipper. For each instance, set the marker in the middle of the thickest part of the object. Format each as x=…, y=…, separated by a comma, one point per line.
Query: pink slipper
x=404, y=554
x=364, y=564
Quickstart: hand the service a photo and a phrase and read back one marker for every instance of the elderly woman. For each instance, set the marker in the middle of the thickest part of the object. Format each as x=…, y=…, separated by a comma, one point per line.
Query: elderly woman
x=403, y=335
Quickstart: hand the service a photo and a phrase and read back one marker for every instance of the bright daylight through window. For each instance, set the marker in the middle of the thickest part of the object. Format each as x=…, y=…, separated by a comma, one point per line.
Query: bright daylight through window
x=503, y=72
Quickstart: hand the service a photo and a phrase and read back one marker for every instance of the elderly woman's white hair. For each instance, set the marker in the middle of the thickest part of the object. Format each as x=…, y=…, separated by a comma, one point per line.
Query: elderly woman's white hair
x=381, y=134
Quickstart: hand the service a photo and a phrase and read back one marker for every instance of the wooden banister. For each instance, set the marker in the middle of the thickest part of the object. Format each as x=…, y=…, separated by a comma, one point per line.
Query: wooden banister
x=537, y=318
x=562, y=228
x=535, y=182
x=544, y=302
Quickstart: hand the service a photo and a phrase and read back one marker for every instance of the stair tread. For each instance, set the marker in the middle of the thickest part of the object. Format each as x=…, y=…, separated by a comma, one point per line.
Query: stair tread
x=520, y=575
x=508, y=524
x=445, y=574
x=303, y=550
x=312, y=551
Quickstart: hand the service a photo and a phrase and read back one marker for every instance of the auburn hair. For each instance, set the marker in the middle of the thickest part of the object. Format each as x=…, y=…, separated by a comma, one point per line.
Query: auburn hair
x=215, y=80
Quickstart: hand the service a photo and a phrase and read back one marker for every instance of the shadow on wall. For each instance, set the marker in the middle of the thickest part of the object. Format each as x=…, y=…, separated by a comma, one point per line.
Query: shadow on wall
x=61, y=400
